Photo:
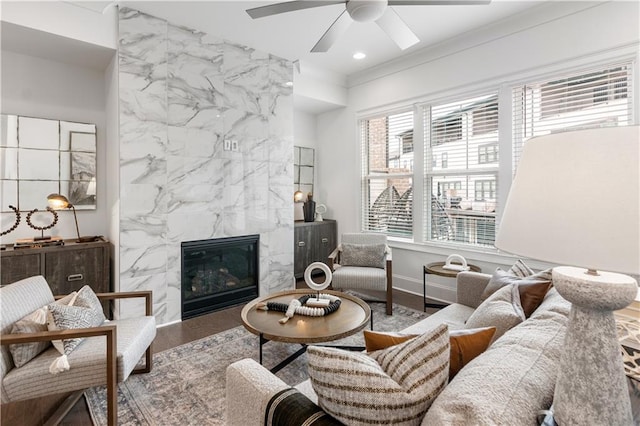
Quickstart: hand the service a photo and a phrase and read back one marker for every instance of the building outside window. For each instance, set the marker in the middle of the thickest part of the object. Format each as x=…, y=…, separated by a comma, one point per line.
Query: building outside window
x=485, y=190
x=488, y=153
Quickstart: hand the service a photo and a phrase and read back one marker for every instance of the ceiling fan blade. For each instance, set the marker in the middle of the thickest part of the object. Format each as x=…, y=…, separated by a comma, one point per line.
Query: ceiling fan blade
x=289, y=6
x=396, y=29
x=436, y=2
x=339, y=27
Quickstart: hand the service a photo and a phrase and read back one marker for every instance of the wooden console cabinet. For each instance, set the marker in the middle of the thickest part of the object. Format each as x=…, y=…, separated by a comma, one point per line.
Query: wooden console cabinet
x=313, y=242
x=66, y=267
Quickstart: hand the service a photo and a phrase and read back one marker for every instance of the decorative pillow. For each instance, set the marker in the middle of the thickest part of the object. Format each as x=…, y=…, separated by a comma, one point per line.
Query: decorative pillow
x=35, y=322
x=376, y=340
x=465, y=344
x=368, y=255
x=290, y=407
x=87, y=299
x=69, y=299
x=68, y=317
x=501, y=310
x=532, y=289
x=390, y=386
x=520, y=269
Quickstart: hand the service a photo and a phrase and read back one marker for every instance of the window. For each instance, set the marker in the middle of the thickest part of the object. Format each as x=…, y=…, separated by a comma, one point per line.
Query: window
x=488, y=153
x=456, y=213
x=387, y=154
x=459, y=171
x=485, y=190
x=580, y=100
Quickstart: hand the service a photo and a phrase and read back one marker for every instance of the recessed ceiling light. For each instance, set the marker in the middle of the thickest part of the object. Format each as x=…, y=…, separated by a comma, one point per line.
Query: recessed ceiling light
x=359, y=55
x=289, y=84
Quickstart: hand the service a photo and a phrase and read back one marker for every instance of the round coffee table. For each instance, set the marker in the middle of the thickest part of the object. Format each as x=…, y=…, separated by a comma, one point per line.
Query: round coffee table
x=352, y=316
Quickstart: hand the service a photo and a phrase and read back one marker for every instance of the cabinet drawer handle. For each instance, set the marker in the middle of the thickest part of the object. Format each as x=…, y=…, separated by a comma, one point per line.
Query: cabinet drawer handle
x=75, y=277
x=301, y=244
x=325, y=240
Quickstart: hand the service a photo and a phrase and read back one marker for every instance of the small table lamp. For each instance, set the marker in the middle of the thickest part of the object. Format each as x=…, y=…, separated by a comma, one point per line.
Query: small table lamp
x=57, y=202
x=575, y=201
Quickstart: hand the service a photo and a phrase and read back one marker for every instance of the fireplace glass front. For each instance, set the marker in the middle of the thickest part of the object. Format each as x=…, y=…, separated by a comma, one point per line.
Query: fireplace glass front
x=218, y=273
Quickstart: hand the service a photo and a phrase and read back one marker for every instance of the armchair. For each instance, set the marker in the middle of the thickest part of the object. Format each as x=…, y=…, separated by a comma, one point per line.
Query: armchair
x=363, y=277
x=108, y=355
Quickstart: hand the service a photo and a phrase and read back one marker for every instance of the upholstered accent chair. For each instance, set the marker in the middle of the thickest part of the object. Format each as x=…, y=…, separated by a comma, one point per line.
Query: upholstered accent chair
x=108, y=354
x=358, y=264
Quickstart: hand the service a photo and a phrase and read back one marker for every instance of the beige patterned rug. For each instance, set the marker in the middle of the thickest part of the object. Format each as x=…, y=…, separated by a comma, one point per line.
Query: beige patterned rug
x=187, y=383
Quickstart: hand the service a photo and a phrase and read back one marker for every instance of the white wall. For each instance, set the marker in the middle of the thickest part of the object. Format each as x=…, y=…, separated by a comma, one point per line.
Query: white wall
x=43, y=88
x=64, y=19
x=550, y=38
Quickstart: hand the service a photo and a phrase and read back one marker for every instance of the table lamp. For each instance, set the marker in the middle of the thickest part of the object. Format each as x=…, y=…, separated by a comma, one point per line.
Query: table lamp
x=575, y=201
x=57, y=202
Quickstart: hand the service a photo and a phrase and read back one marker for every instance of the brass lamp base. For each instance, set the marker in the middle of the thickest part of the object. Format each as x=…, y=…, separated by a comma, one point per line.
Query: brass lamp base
x=90, y=239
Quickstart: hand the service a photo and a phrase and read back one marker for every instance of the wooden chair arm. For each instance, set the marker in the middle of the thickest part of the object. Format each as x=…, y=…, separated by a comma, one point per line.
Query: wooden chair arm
x=147, y=294
x=110, y=333
x=334, y=257
x=43, y=336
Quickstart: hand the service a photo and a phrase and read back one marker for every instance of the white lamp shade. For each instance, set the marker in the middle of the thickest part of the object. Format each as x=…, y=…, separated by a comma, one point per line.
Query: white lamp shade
x=575, y=200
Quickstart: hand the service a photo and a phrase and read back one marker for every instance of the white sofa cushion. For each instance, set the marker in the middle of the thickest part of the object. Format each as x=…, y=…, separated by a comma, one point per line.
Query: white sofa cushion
x=501, y=310
x=513, y=379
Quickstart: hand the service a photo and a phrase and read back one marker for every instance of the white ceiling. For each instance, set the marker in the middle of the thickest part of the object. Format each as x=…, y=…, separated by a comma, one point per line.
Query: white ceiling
x=292, y=35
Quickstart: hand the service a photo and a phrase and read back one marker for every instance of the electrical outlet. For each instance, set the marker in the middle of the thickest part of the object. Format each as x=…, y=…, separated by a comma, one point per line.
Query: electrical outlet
x=234, y=146
x=227, y=145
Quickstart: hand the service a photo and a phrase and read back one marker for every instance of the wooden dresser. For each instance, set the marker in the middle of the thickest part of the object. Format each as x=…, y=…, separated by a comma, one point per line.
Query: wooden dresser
x=66, y=267
x=314, y=242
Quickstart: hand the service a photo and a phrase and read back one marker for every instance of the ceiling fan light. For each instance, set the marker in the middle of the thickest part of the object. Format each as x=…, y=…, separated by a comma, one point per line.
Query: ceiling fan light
x=366, y=10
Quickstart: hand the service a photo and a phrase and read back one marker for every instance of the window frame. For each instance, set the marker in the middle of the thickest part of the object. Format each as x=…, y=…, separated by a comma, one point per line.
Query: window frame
x=503, y=87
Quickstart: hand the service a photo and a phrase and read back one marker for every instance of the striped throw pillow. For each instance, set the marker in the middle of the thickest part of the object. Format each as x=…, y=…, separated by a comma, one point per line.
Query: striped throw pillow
x=395, y=385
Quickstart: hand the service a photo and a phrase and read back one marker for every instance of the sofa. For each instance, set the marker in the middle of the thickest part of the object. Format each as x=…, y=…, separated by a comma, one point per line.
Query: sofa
x=508, y=384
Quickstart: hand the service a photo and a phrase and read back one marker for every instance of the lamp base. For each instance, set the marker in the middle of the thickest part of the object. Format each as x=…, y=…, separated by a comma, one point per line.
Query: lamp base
x=591, y=386
x=87, y=239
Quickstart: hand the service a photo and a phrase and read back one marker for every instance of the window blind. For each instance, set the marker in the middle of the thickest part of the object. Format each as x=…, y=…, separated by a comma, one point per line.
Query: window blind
x=585, y=99
x=461, y=165
x=387, y=174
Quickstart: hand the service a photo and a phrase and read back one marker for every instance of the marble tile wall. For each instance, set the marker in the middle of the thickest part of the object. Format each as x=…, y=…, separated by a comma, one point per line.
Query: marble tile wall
x=182, y=93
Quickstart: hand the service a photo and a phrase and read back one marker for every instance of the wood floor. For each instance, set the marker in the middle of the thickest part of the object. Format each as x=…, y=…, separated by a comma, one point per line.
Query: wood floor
x=37, y=411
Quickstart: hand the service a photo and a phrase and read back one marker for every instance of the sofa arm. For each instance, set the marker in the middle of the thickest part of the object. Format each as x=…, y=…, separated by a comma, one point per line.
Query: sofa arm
x=470, y=286
x=250, y=386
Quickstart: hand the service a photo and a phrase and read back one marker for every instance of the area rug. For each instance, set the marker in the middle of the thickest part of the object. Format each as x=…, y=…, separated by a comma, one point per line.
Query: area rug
x=187, y=383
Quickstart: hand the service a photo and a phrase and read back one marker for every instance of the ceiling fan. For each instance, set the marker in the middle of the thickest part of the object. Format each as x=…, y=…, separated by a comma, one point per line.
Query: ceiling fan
x=361, y=11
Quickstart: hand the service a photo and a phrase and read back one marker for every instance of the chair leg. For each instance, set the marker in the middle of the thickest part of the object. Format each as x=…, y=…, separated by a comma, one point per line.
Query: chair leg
x=112, y=379
x=389, y=289
x=148, y=362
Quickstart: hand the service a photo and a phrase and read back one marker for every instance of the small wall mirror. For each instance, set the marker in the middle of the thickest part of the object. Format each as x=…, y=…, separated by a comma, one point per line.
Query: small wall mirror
x=303, y=159
x=39, y=157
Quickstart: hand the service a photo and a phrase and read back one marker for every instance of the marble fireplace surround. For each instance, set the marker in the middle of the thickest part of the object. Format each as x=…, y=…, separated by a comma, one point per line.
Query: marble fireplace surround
x=182, y=93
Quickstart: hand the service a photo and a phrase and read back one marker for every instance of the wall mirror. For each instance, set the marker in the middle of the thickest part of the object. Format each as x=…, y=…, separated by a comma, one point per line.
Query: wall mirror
x=303, y=159
x=39, y=157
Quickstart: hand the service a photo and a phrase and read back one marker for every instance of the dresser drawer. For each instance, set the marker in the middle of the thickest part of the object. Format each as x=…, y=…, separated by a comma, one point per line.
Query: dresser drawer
x=15, y=268
x=69, y=270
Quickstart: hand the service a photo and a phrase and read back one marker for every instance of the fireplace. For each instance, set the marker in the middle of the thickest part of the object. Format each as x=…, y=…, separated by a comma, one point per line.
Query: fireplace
x=218, y=273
